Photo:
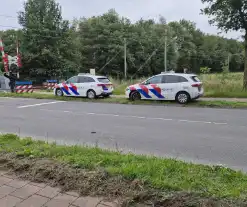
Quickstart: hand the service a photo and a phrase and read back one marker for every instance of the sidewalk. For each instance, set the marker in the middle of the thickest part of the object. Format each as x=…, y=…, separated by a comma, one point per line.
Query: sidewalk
x=18, y=193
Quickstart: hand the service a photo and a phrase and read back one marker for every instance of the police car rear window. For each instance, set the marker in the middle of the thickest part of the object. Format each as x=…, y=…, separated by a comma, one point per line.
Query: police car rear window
x=195, y=78
x=103, y=80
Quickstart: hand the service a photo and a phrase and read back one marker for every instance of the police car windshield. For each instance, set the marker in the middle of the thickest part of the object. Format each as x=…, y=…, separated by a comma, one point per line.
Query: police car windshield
x=103, y=80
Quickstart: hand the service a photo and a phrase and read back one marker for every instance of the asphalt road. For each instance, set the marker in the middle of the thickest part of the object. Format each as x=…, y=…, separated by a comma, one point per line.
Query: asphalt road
x=210, y=136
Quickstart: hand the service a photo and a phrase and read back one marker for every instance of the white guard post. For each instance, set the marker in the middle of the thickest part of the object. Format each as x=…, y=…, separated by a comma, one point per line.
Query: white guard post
x=92, y=71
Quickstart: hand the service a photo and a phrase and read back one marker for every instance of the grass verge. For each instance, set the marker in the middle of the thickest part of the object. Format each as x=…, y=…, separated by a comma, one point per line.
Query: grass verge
x=101, y=172
x=200, y=103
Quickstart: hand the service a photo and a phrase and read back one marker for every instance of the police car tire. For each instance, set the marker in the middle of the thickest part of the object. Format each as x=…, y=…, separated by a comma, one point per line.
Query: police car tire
x=89, y=93
x=135, y=96
x=182, y=97
x=61, y=92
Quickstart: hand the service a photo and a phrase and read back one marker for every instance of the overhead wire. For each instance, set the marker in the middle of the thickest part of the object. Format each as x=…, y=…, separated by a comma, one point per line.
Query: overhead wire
x=193, y=57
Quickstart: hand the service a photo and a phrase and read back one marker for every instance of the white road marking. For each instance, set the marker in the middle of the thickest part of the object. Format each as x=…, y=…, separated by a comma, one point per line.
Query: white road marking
x=162, y=119
x=137, y=117
x=219, y=123
x=192, y=121
x=40, y=104
x=16, y=99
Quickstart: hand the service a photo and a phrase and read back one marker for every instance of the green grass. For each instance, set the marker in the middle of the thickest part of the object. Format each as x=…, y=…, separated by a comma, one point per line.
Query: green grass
x=202, y=103
x=121, y=85
x=228, y=85
x=220, y=104
x=165, y=174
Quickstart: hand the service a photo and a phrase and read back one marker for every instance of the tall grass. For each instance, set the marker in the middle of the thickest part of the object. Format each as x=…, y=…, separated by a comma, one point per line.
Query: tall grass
x=224, y=85
x=229, y=85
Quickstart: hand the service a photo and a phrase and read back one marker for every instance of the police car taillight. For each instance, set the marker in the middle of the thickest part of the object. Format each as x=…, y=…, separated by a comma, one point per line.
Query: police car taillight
x=196, y=85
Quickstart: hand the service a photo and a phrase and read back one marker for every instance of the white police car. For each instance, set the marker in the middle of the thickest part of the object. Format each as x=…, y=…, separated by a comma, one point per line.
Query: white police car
x=85, y=85
x=167, y=86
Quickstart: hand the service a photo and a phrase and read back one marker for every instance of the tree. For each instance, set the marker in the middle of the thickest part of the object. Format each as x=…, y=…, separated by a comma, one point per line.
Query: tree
x=46, y=39
x=51, y=47
x=229, y=15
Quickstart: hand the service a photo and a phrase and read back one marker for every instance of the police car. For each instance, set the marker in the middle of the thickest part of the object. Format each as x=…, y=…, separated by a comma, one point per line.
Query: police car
x=85, y=85
x=167, y=86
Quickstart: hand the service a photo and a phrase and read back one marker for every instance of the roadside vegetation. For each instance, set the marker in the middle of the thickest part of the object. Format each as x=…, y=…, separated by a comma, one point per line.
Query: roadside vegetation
x=165, y=179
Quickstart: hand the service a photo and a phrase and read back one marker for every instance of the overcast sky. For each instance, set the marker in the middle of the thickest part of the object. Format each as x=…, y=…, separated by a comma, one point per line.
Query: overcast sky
x=133, y=9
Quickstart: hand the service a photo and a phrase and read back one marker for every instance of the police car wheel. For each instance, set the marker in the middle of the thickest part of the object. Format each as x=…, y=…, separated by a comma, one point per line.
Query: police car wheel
x=135, y=96
x=91, y=94
x=59, y=92
x=182, y=98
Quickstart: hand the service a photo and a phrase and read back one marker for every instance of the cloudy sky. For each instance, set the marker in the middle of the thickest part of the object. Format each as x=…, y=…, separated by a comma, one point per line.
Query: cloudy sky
x=133, y=9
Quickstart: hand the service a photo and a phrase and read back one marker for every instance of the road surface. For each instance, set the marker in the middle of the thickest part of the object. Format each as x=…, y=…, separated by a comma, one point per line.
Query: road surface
x=202, y=135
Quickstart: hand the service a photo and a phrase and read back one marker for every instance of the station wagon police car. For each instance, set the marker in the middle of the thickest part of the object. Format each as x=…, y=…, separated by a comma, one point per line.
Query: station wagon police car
x=85, y=85
x=167, y=86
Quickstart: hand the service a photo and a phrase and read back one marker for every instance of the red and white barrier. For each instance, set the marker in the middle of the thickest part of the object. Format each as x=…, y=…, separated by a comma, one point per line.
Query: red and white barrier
x=49, y=86
x=24, y=89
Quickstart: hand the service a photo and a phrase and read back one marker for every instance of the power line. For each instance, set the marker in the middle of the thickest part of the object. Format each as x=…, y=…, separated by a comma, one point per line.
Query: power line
x=8, y=16
x=30, y=29
x=55, y=31
x=37, y=30
x=191, y=57
x=10, y=27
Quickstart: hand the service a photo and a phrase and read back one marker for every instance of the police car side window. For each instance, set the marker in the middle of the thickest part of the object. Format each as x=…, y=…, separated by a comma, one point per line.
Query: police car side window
x=155, y=80
x=85, y=79
x=182, y=79
x=72, y=80
x=173, y=79
x=82, y=79
x=90, y=80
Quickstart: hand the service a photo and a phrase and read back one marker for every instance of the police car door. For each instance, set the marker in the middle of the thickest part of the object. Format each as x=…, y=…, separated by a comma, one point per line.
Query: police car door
x=154, y=85
x=85, y=83
x=72, y=87
x=82, y=85
x=171, y=85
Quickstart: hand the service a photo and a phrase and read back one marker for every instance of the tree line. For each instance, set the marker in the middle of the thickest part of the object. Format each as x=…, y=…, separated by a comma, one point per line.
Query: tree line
x=52, y=47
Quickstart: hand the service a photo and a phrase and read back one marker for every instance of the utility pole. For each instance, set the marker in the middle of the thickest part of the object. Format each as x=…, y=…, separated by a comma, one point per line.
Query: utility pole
x=228, y=62
x=165, y=54
x=125, y=59
x=165, y=51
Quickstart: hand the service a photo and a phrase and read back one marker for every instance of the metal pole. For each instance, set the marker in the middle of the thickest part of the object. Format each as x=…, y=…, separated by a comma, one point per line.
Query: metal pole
x=228, y=62
x=125, y=58
x=165, y=54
